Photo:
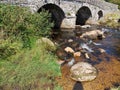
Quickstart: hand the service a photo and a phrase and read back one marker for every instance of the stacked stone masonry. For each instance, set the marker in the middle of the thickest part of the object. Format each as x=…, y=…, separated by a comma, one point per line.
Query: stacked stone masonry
x=69, y=7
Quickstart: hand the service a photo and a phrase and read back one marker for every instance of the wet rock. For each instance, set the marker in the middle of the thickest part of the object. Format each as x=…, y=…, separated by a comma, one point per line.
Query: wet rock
x=70, y=40
x=102, y=50
x=63, y=55
x=69, y=49
x=77, y=54
x=87, y=56
x=94, y=34
x=82, y=27
x=85, y=26
x=83, y=71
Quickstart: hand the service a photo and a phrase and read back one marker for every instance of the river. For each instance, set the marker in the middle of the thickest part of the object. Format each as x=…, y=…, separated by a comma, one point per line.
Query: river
x=107, y=64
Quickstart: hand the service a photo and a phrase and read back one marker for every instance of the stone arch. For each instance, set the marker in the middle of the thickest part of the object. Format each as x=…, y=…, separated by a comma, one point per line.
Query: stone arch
x=118, y=20
x=82, y=15
x=100, y=14
x=57, y=14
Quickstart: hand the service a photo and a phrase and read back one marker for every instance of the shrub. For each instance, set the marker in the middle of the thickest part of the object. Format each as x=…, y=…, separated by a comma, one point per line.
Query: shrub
x=111, y=20
x=7, y=49
x=19, y=23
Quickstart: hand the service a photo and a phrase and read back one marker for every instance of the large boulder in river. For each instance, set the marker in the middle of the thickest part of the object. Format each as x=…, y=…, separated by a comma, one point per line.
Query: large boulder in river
x=83, y=71
x=94, y=34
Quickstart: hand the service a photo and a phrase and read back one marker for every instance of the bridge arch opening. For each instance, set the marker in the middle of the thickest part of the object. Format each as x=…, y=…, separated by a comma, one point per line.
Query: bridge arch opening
x=100, y=14
x=57, y=14
x=82, y=15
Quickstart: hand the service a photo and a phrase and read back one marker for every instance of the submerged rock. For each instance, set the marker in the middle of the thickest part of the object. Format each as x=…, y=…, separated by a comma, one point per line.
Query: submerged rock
x=62, y=54
x=83, y=71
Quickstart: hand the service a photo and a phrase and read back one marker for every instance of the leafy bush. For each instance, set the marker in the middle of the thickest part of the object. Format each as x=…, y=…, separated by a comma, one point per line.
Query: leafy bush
x=19, y=23
x=111, y=20
x=8, y=49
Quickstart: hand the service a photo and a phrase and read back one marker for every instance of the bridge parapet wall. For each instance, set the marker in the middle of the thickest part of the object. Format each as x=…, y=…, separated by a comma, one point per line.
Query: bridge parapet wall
x=14, y=1
x=101, y=4
x=98, y=3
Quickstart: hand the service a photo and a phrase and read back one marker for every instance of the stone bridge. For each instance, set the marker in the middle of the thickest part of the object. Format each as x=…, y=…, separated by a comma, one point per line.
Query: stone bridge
x=68, y=13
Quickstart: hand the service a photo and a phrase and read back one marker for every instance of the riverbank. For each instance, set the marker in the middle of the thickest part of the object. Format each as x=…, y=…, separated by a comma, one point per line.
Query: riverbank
x=26, y=64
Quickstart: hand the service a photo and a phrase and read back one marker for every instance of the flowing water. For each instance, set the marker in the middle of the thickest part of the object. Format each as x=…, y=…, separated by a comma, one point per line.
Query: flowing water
x=107, y=63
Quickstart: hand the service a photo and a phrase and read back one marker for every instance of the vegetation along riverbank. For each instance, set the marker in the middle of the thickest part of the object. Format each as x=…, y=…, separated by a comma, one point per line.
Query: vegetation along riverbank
x=25, y=64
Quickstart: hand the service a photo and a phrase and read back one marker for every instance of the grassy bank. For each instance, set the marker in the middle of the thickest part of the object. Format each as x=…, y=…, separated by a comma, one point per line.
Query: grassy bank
x=29, y=69
x=111, y=20
x=25, y=65
x=115, y=2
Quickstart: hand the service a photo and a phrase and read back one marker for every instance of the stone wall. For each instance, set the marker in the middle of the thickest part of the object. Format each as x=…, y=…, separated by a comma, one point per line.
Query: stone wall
x=69, y=7
x=66, y=5
x=99, y=3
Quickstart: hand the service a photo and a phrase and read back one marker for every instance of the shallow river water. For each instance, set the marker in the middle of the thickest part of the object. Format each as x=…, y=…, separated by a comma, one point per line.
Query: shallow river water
x=107, y=64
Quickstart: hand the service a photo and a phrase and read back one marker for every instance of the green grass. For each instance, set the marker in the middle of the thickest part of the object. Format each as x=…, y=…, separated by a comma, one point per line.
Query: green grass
x=35, y=66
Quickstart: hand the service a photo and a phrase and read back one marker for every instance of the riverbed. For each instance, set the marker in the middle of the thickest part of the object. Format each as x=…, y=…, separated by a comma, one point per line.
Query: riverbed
x=107, y=63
